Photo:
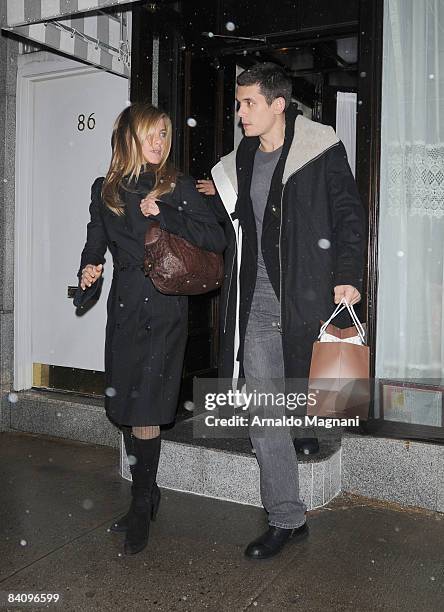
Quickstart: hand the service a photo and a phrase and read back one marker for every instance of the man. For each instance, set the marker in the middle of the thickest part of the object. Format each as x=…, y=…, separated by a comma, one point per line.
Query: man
x=296, y=235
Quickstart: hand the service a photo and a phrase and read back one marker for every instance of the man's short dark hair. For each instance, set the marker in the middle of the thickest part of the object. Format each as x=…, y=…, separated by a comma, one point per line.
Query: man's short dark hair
x=272, y=80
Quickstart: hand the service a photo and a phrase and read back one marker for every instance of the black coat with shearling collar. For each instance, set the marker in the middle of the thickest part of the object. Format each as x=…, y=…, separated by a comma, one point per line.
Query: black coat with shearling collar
x=313, y=238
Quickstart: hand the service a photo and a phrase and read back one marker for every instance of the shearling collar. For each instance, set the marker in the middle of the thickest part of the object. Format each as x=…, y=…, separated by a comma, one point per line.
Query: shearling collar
x=310, y=140
x=229, y=165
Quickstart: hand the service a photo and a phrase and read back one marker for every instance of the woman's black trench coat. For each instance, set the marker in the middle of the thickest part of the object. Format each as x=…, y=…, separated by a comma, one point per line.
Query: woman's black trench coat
x=146, y=331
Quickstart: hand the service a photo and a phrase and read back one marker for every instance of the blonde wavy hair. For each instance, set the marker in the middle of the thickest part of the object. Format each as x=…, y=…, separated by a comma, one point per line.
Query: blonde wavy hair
x=133, y=126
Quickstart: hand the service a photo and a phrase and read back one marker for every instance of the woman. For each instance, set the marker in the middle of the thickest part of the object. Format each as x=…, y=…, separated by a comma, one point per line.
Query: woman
x=146, y=331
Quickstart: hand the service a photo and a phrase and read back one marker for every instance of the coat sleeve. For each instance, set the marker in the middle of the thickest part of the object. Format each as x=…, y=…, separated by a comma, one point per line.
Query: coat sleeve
x=192, y=218
x=218, y=208
x=349, y=220
x=95, y=246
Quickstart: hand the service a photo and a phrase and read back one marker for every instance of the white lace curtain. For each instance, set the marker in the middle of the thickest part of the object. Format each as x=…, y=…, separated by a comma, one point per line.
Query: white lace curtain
x=410, y=325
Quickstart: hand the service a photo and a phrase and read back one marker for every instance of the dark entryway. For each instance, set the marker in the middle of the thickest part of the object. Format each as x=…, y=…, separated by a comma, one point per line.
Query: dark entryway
x=326, y=46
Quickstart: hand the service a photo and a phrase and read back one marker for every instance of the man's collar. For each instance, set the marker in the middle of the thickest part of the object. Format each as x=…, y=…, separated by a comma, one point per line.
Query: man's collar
x=310, y=140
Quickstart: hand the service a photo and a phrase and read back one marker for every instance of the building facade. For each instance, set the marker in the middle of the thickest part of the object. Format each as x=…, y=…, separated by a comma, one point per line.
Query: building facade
x=373, y=70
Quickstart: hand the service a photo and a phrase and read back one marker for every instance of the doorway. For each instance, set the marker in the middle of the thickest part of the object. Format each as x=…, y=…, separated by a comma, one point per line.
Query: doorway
x=65, y=113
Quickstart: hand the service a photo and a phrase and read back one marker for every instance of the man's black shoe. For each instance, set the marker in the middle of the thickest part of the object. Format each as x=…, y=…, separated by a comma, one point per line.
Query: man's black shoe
x=273, y=541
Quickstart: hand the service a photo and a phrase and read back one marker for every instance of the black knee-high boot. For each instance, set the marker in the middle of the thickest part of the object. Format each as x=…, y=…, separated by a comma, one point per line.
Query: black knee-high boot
x=121, y=525
x=147, y=453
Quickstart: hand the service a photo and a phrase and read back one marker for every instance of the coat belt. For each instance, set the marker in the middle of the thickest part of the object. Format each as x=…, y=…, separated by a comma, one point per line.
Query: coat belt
x=127, y=265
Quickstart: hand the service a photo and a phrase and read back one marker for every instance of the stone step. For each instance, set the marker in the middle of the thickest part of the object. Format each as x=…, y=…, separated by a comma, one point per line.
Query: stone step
x=407, y=472
x=223, y=468
x=233, y=476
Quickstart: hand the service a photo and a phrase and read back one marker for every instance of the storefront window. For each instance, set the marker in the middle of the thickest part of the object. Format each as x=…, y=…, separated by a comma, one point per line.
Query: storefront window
x=410, y=320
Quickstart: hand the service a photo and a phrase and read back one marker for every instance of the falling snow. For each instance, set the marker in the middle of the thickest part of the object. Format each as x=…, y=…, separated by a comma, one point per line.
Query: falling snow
x=323, y=243
x=189, y=405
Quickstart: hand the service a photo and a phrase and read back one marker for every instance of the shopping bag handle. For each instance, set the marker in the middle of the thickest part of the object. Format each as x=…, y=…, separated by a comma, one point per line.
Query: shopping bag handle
x=339, y=308
x=356, y=321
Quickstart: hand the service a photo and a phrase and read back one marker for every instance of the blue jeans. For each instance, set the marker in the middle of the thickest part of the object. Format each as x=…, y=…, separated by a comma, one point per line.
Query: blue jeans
x=275, y=453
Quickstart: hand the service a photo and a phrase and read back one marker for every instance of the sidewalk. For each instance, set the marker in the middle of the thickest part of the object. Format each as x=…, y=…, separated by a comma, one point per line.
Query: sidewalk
x=57, y=499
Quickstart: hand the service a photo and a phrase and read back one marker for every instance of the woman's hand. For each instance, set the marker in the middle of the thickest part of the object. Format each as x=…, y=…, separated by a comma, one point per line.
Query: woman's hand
x=90, y=274
x=206, y=187
x=149, y=207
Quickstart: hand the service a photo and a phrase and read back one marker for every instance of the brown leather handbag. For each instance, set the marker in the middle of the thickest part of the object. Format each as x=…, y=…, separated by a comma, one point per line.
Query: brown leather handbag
x=177, y=267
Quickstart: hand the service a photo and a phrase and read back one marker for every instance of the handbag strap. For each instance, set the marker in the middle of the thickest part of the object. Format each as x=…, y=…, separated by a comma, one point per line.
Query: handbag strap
x=357, y=323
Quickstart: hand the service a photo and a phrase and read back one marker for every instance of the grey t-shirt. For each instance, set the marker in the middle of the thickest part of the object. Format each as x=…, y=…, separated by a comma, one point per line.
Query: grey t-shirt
x=263, y=169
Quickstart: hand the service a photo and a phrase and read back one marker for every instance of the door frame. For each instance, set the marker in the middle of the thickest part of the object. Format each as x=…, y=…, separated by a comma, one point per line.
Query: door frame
x=32, y=68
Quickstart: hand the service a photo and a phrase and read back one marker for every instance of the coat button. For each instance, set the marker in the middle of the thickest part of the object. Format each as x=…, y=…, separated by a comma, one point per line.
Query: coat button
x=148, y=328
x=146, y=299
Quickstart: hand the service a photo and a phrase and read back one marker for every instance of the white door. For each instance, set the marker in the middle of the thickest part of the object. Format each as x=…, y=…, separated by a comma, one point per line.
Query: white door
x=69, y=116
